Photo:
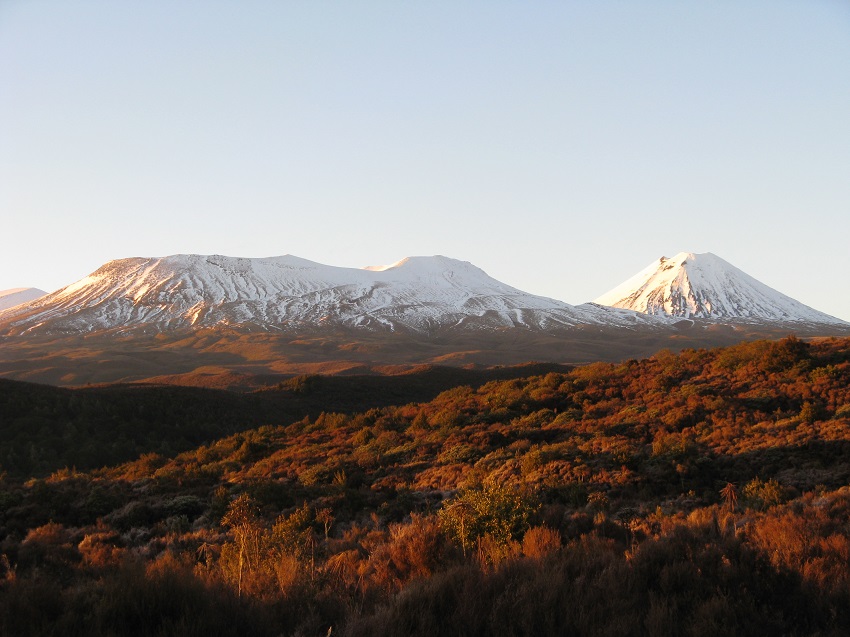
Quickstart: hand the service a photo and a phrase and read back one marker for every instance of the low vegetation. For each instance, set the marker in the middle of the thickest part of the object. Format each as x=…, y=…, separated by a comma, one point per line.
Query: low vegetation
x=47, y=428
x=700, y=493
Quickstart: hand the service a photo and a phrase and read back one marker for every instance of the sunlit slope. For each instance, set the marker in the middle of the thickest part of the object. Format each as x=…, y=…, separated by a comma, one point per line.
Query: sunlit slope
x=707, y=287
x=292, y=294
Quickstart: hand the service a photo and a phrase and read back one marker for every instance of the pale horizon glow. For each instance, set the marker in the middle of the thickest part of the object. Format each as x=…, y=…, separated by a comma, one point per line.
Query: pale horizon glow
x=560, y=147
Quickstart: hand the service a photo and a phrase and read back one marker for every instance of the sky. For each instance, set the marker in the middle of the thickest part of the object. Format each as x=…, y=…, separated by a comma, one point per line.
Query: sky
x=560, y=146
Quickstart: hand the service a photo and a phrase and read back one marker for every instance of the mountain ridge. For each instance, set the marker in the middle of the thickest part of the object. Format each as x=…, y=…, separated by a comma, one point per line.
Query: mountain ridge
x=705, y=286
x=289, y=293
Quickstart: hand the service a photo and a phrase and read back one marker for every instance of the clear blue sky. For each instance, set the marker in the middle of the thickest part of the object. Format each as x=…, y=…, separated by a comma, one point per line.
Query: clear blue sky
x=560, y=146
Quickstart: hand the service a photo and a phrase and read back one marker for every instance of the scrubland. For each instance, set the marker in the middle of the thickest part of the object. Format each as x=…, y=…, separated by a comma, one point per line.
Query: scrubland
x=699, y=493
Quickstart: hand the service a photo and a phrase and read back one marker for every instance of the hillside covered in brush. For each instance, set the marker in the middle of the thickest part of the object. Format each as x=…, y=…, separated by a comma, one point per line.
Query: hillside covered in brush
x=699, y=493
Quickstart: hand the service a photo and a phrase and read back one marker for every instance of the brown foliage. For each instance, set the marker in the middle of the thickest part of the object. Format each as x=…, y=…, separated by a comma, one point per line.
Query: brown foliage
x=331, y=520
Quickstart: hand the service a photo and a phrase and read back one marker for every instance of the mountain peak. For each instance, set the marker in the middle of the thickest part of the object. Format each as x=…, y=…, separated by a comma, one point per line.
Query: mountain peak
x=288, y=293
x=436, y=262
x=692, y=285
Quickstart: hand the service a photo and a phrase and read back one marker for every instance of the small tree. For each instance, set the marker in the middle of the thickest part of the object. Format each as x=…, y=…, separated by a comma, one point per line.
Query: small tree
x=243, y=522
x=325, y=516
x=810, y=412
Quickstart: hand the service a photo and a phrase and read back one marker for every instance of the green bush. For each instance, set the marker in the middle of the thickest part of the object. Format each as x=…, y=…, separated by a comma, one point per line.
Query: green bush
x=761, y=495
x=496, y=511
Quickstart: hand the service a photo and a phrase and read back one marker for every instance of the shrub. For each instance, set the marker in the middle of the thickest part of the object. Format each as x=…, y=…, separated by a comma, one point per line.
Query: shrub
x=761, y=495
x=540, y=541
x=494, y=510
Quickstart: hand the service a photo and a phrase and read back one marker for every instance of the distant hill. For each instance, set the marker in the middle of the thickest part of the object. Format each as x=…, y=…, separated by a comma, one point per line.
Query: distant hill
x=16, y=296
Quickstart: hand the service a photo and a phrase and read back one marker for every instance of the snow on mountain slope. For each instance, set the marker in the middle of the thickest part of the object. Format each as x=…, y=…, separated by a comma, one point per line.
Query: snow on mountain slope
x=290, y=293
x=705, y=286
x=16, y=296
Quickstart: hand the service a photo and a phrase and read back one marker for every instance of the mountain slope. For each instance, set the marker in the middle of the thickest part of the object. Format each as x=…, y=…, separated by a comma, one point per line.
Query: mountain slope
x=705, y=286
x=16, y=296
x=292, y=294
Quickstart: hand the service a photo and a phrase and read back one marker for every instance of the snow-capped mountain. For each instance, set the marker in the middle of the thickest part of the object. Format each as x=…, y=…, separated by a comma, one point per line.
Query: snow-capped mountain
x=289, y=293
x=705, y=286
x=16, y=296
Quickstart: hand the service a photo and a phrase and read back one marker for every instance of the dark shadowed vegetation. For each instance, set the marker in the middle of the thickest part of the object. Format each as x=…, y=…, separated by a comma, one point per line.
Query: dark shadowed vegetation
x=47, y=428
